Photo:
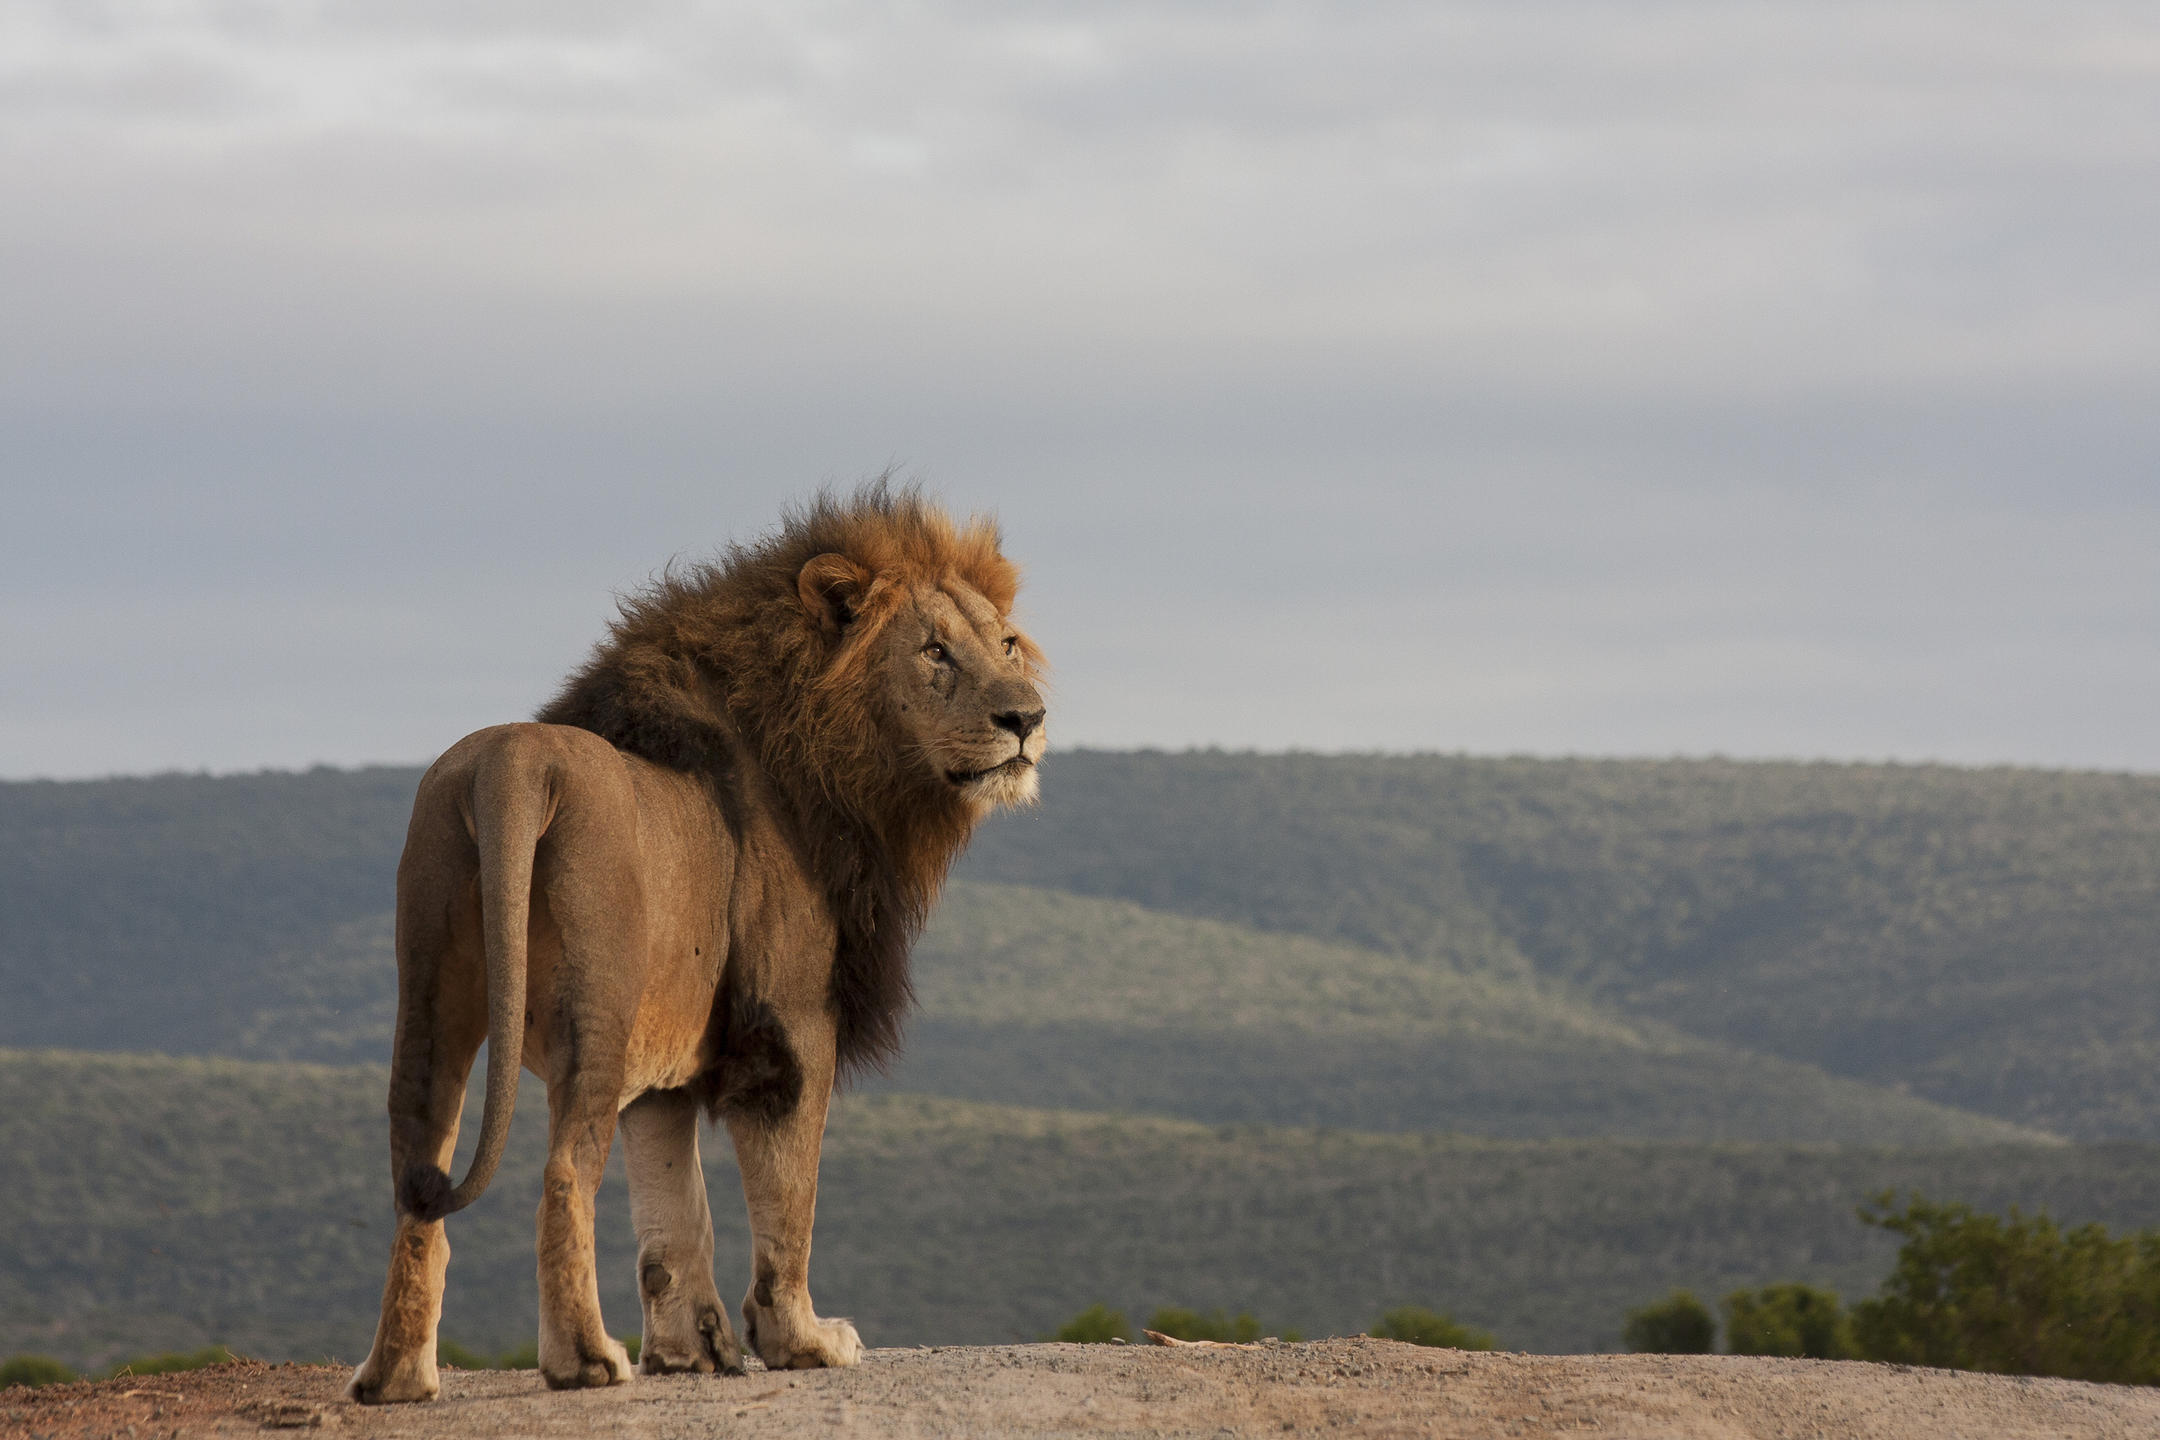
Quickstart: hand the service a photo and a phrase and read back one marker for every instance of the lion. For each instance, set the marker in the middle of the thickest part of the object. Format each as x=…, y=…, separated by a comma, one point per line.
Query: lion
x=691, y=883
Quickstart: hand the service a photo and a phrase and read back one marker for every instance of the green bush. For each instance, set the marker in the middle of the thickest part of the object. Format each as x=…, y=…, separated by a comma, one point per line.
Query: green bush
x=1182, y=1324
x=1420, y=1326
x=633, y=1344
x=172, y=1362
x=2016, y=1296
x=449, y=1352
x=525, y=1357
x=1679, y=1324
x=1795, y=1320
x=33, y=1370
x=1096, y=1325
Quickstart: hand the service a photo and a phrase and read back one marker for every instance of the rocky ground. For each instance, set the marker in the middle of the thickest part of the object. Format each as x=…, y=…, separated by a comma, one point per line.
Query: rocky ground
x=1332, y=1387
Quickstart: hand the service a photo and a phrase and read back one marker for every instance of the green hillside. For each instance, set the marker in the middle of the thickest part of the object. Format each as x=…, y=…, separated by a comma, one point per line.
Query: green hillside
x=1035, y=997
x=1985, y=939
x=1988, y=937
x=174, y=913
x=1045, y=998
x=158, y=1202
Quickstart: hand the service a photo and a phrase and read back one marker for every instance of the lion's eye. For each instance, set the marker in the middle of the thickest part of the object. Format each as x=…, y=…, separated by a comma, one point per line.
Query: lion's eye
x=935, y=652
x=1012, y=645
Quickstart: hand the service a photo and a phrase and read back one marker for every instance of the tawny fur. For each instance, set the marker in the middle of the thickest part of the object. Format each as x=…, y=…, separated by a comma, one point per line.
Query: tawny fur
x=725, y=650
x=695, y=879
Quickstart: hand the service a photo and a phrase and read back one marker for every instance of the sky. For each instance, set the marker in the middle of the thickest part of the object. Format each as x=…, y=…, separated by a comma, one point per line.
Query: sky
x=1772, y=379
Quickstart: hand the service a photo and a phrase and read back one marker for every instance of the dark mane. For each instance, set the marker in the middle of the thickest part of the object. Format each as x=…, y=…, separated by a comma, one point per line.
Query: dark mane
x=717, y=666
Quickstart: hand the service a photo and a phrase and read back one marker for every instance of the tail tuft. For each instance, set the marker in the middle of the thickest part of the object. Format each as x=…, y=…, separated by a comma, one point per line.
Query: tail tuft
x=425, y=1192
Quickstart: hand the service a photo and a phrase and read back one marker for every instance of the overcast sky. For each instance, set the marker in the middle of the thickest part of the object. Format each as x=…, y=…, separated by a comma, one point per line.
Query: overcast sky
x=1767, y=379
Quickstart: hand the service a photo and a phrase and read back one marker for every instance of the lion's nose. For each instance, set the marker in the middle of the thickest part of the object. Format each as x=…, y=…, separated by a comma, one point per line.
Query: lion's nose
x=1021, y=722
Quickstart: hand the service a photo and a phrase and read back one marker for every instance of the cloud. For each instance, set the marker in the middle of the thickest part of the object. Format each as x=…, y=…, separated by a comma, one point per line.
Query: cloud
x=1571, y=355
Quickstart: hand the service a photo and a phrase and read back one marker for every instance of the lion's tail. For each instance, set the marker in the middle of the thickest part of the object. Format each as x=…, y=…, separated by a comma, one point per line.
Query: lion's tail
x=509, y=813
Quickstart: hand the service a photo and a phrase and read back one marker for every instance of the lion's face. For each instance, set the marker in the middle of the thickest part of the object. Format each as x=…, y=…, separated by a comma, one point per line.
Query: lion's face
x=957, y=682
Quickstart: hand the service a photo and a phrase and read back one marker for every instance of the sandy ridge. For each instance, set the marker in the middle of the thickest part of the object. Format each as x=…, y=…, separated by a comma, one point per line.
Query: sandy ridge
x=1332, y=1387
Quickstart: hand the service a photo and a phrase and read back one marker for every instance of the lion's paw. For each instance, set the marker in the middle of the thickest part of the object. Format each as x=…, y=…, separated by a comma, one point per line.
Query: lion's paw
x=838, y=1342
x=375, y=1383
x=710, y=1346
x=583, y=1369
x=823, y=1343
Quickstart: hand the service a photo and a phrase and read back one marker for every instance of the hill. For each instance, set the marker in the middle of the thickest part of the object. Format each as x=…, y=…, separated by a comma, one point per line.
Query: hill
x=1985, y=937
x=160, y=1203
x=1982, y=938
x=1036, y=997
x=1045, y=998
x=191, y=914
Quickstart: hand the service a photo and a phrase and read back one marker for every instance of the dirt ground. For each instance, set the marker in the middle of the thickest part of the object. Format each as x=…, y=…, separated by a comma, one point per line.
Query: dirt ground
x=1330, y=1387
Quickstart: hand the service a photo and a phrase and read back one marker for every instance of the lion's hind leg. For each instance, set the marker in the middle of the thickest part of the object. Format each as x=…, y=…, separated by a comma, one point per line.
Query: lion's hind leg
x=686, y=1325
x=401, y=1364
x=575, y=1349
x=441, y=1022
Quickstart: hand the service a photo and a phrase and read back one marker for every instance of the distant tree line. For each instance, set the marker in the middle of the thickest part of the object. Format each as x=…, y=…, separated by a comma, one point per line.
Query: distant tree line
x=2015, y=1295
x=41, y=1370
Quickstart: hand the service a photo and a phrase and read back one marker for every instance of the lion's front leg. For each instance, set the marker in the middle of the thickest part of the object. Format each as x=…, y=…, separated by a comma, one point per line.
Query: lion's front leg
x=777, y=1147
x=686, y=1324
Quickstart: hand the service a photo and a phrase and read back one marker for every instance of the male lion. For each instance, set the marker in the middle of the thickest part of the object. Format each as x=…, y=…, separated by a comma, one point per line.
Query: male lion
x=693, y=882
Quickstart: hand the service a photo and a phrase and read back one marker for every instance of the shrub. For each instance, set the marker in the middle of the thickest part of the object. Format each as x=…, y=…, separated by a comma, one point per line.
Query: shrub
x=525, y=1357
x=172, y=1362
x=1420, y=1326
x=1096, y=1325
x=1679, y=1324
x=2016, y=1296
x=1182, y=1324
x=33, y=1370
x=1796, y=1320
x=449, y=1352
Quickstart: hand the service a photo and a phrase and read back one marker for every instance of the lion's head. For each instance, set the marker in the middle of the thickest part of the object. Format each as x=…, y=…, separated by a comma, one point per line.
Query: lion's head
x=930, y=668
x=865, y=654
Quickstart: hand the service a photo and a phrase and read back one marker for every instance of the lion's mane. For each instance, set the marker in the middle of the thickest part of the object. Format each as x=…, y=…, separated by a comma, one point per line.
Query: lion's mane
x=719, y=665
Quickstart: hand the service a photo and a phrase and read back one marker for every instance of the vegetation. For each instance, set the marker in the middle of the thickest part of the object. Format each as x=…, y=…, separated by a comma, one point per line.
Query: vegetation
x=1793, y=1320
x=1419, y=1326
x=2015, y=1296
x=1980, y=937
x=1036, y=997
x=33, y=1370
x=197, y=914
x=43, y=1370
x=1679, y=1324
x=521, y=1357
x=197, y=1200
x=1096, y=1325
x=172, y=1362
x=449, y=1352
x=1031, y=996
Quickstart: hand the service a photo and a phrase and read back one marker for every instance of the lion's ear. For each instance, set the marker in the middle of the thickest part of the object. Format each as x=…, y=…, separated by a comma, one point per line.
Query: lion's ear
x=831, y=587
